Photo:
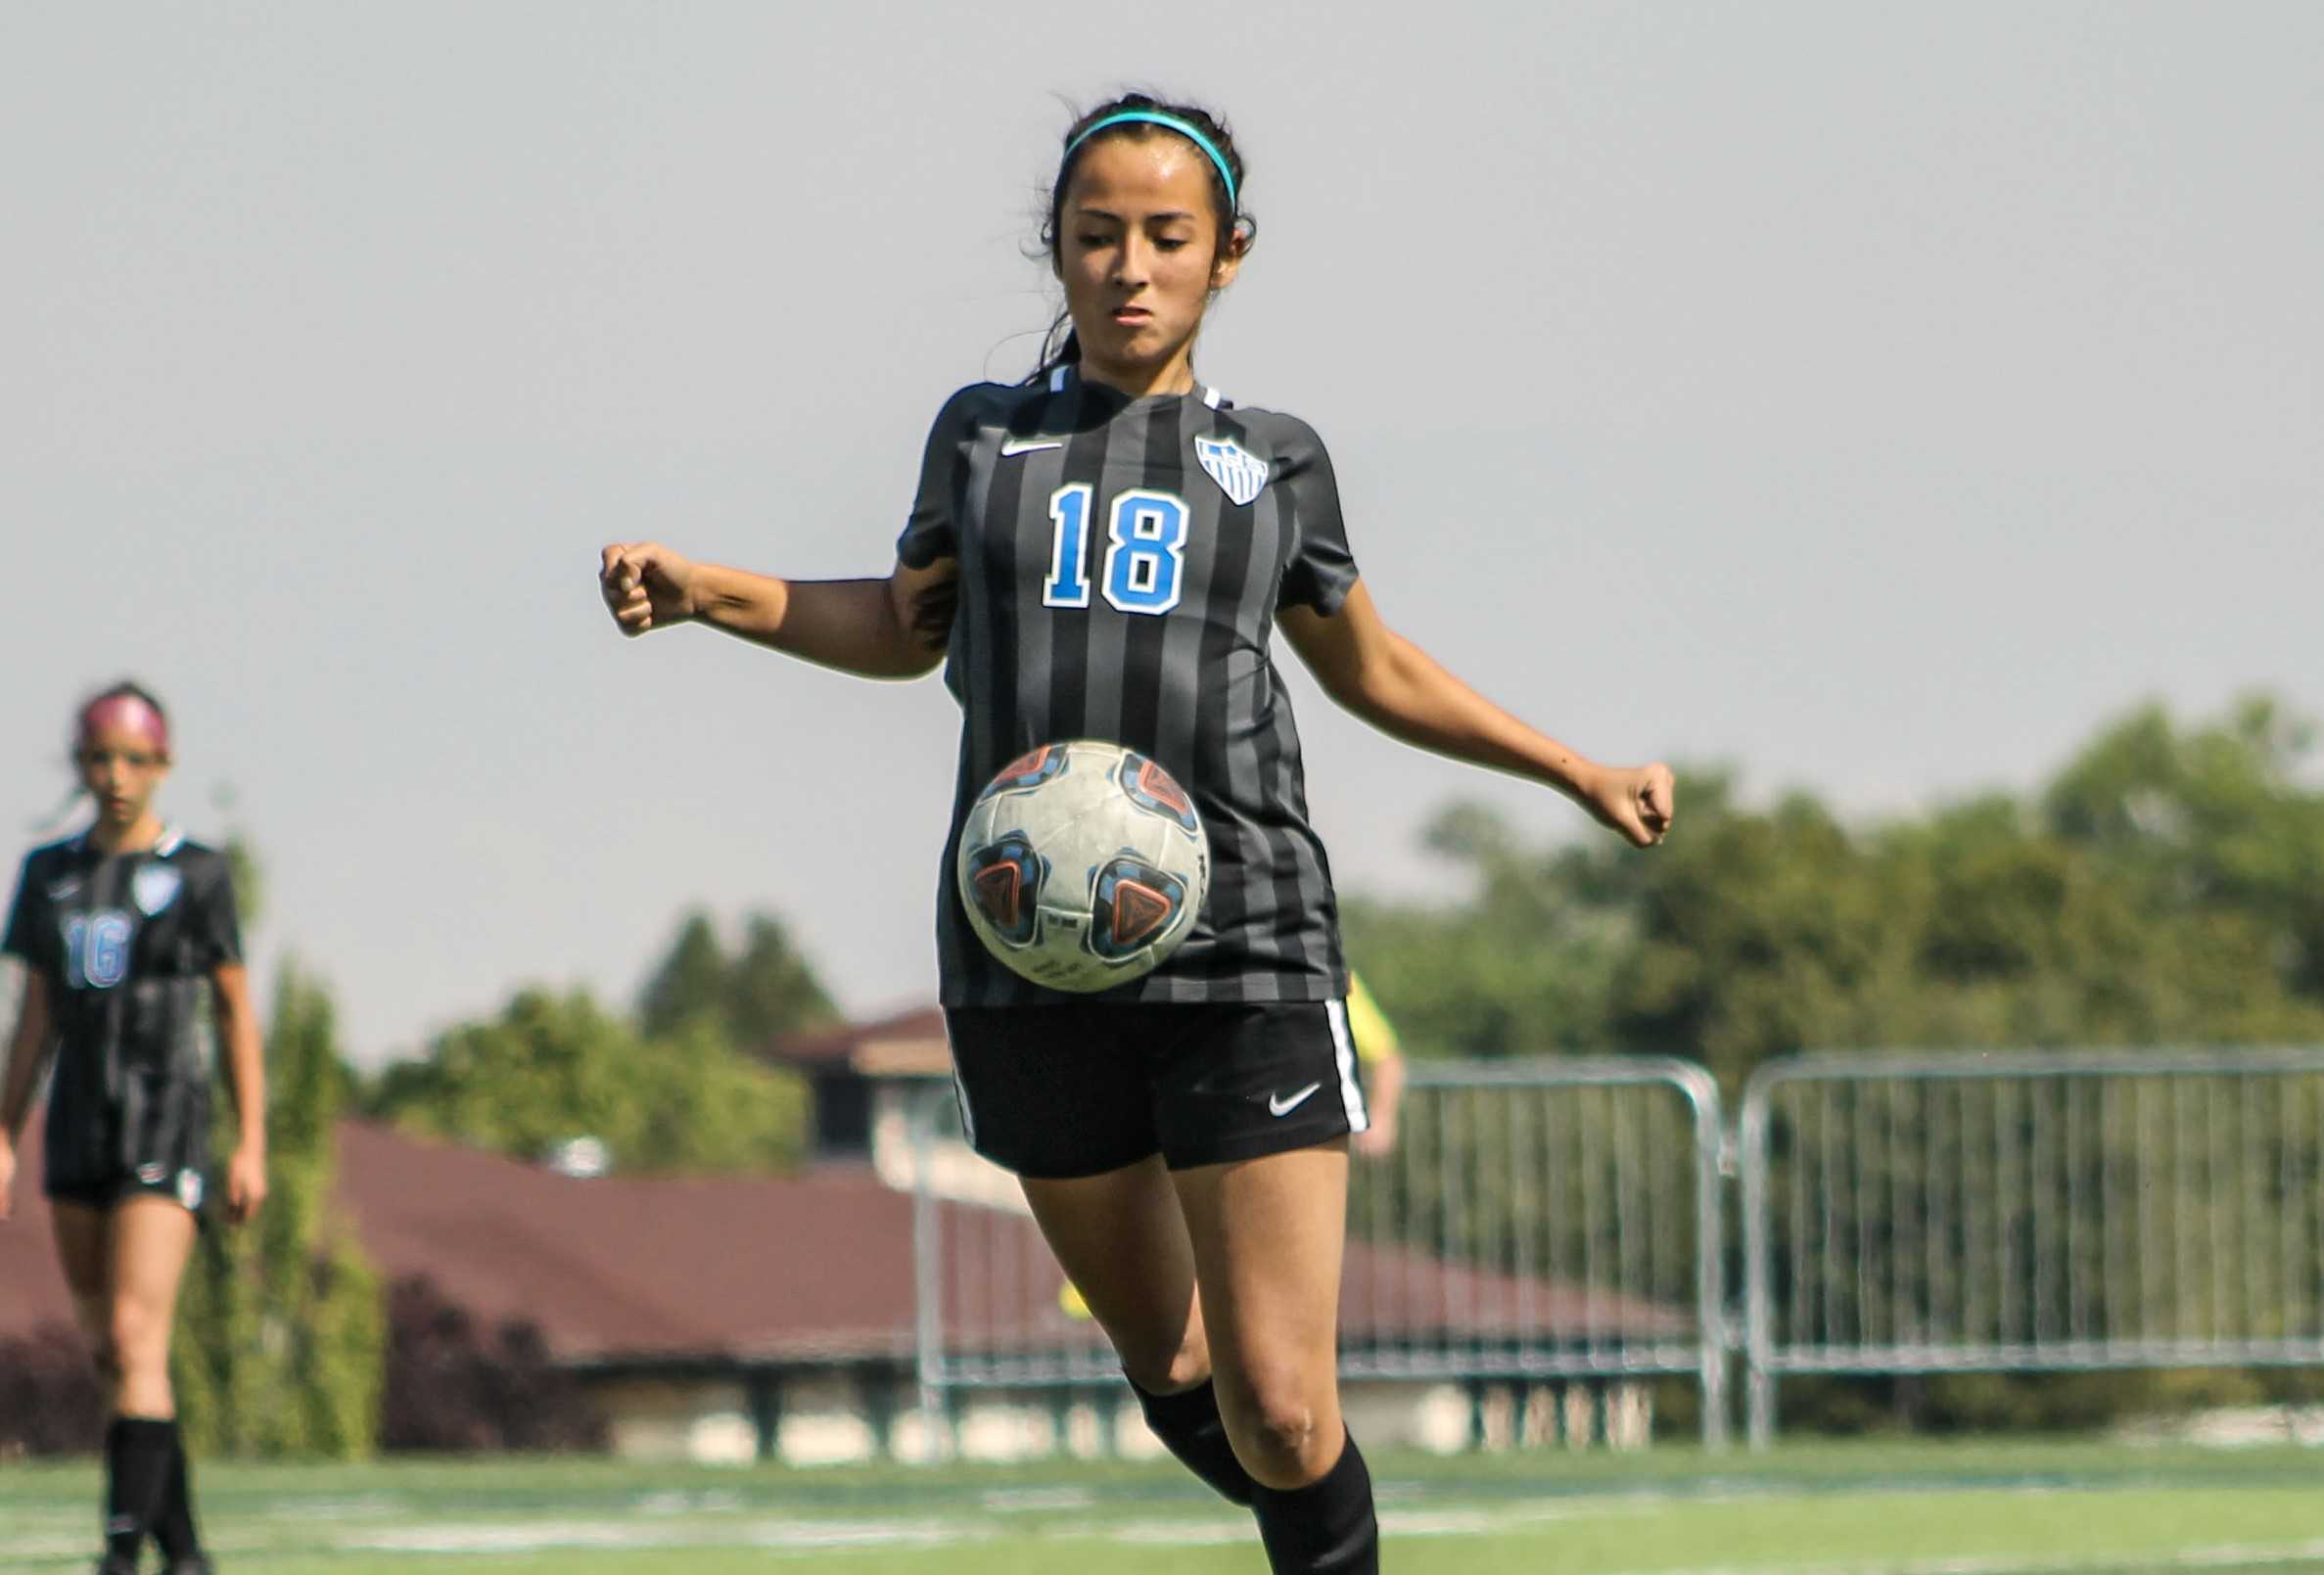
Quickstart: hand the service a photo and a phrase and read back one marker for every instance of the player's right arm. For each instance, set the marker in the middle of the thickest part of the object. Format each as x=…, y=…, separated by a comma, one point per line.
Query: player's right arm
x=895, y=627
x=28, y=1054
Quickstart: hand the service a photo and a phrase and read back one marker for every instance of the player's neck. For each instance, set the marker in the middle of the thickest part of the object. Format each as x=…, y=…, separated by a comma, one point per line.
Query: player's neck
x=134, y=838
x=1174, y=376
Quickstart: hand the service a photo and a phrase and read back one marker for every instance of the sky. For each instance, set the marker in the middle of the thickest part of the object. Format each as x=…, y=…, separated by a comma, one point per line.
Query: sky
x=1873, y=398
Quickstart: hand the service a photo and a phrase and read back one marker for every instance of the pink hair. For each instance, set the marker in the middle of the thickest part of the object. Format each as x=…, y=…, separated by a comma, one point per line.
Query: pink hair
x=131, y=711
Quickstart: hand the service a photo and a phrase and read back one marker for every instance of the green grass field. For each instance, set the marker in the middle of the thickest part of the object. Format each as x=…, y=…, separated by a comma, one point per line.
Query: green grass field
x=1822, y=1509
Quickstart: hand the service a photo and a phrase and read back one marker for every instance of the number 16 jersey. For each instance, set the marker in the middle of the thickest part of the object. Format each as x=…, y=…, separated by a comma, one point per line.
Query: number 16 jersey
x=124, y=942
x=1122, y=561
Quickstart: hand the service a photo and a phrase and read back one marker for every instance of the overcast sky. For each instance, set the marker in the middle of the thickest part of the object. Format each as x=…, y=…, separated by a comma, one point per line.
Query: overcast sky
x=1876, y=398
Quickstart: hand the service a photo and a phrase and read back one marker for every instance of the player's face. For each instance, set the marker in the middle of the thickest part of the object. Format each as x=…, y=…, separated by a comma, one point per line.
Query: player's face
x=121, y=770
x=1137, y=250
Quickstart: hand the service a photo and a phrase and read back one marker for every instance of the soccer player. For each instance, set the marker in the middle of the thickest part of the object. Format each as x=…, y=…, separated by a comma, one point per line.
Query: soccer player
x=1381, y=1057
x=1106, y=550
x=117, y=928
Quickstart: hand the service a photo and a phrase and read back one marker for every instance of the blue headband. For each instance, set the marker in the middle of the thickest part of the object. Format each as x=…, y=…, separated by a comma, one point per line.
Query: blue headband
x=1157, y=117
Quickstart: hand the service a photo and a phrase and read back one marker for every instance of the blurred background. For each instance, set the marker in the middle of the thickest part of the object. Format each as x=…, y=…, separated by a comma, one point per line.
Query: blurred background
x=1903, y=420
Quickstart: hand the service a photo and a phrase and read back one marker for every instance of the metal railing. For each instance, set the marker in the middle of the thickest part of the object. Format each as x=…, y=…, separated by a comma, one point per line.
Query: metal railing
x=1917, y=1213
x=1561, y=1220
x=1544, y=1219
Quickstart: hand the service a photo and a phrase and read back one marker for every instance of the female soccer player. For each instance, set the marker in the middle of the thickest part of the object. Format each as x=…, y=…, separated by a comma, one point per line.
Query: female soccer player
x=117, y=927
x=1107, y=551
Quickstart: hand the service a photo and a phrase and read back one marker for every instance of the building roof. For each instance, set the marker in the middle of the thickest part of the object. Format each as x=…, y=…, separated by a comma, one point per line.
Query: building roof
x=816, y=1266
x=31, y=1285
x=907, y=1044
x=813, y=1267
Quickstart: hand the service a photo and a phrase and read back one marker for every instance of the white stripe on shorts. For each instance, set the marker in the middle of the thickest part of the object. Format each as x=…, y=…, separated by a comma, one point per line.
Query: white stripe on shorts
x=967, y=1118
x=1351, y=1093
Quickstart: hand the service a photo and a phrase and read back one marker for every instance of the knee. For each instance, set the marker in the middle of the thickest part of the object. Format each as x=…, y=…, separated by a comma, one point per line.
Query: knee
x=1167, y=1367
x=133, y=1334
x=1285, y=1425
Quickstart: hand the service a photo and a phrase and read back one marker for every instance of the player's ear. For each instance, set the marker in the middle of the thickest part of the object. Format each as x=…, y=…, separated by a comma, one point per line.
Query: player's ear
x=1228, y=262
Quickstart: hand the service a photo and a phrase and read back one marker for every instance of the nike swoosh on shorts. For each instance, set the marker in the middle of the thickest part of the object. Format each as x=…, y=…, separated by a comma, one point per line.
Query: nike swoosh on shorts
x=1277, y=1105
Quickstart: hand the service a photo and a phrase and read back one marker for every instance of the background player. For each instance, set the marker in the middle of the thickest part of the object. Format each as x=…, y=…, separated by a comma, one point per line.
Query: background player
x=117, y=928
x=1107, y=551
x=1382, y=1055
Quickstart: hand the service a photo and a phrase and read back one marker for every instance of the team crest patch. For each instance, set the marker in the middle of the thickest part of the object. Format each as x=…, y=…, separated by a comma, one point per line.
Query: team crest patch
x=153, y=886
x=1239, y=473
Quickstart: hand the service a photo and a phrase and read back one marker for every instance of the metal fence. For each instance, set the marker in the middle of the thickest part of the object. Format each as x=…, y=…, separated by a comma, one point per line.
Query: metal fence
x=1561, y=1220
x=2031, y=1213
x=1551, y=1219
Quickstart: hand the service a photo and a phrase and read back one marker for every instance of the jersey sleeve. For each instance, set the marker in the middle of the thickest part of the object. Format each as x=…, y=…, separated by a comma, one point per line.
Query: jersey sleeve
x=1323, y=569
x=932, y=531
x=31, y=931
x=215, y=933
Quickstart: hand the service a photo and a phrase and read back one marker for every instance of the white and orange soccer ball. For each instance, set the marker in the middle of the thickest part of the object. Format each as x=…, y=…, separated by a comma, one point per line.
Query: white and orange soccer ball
x=1083, y=865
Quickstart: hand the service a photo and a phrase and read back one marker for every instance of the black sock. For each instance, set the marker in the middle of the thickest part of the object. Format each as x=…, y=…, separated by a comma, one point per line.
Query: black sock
x=1188, y=1426
x=137, y=1450
x=174, y=1527
x=1326, y=1528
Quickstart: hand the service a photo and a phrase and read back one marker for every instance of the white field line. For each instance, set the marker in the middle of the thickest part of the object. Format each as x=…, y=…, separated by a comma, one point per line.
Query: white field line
x=531, y=1535
x=2228, y=1555
x=658, y=1530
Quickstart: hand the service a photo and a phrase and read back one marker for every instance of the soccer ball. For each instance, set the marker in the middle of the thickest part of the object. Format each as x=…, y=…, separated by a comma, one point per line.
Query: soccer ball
x=1083, y=865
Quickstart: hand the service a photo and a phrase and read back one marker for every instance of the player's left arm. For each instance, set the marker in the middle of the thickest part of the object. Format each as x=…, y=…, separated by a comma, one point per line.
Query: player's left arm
x=246, y=1077
x=1403, y=691
x=28, y=1051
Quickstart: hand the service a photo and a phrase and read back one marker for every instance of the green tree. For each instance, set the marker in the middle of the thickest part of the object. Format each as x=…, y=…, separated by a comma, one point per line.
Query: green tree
x=281, y=1333
x=551, y=1068
x=2169, y=887
x=690, y=982
x=752, y=998
x=771, y=990
x=1518, y=962
x=2166, y=888
x=2212, y=819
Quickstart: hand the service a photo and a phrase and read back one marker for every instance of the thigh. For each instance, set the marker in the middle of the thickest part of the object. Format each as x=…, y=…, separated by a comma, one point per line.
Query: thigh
x=1268, y=1236
x=1121, y=1241
x=151, y=1237
x=84, y=1251
x=1052, y=1092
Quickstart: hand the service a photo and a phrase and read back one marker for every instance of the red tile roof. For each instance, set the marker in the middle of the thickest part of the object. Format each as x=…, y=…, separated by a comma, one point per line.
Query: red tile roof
x=818, y=1265
x=909, y=1042
x=31, y=1285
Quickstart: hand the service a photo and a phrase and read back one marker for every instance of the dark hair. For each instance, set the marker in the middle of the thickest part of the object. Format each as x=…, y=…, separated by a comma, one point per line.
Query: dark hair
x=1236, y=229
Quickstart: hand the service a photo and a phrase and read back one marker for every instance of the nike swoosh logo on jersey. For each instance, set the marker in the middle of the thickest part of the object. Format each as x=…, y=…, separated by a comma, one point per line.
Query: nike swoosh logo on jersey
x=58, y=889
x=1010, y=448
x=1278, y=1105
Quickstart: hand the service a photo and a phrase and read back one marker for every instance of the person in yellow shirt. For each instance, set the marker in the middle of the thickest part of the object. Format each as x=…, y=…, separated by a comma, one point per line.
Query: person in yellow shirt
x=1383, y=1069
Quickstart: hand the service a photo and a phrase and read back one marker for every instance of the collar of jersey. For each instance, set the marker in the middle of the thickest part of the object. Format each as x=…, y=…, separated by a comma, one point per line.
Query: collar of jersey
x=168, y=842
x=1068, y=376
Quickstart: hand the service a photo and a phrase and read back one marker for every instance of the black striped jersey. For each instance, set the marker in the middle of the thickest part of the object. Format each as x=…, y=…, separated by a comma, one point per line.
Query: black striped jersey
x=1122, y=562
x=125, y=941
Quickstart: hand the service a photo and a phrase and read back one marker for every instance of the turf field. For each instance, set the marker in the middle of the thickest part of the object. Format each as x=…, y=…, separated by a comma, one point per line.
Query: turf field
x=1823, y=1510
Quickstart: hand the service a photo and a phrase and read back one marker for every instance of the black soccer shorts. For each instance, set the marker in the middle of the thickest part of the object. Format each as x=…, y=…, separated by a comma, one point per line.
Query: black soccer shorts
x=152, y=1141
x=1079, y=1088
